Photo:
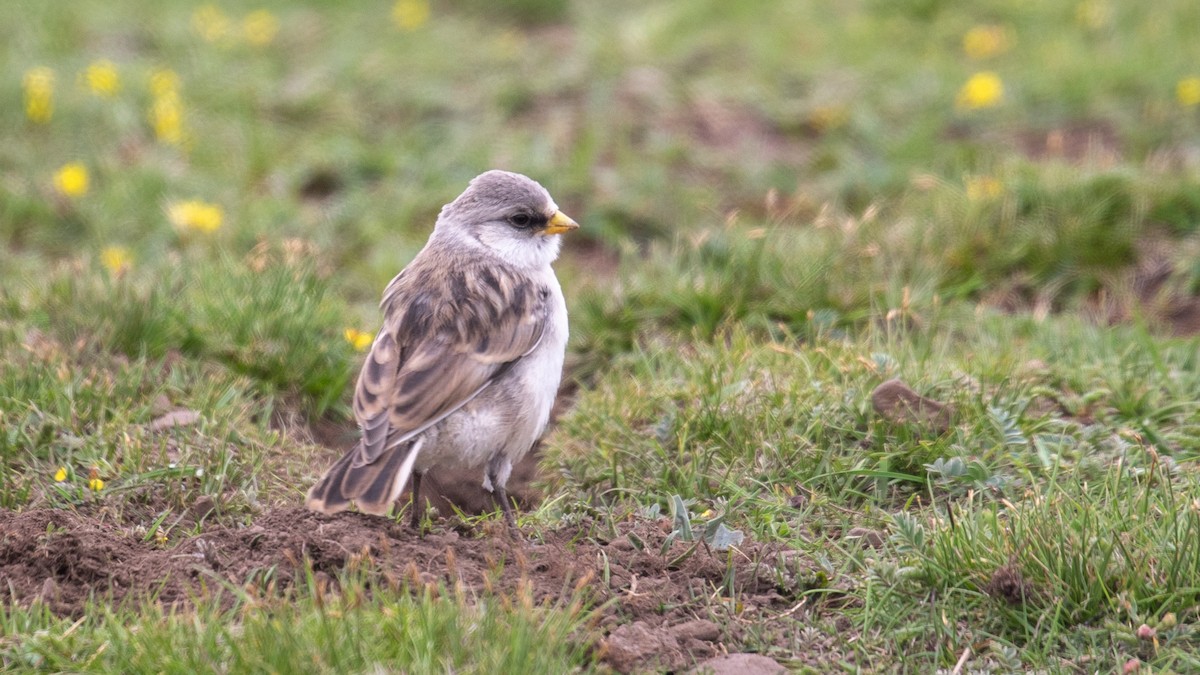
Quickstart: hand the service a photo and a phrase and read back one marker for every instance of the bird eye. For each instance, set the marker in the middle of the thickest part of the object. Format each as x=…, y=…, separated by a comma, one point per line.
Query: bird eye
x=520, y=219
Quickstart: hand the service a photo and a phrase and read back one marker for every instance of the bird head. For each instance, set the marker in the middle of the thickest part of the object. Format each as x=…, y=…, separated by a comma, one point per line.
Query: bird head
x=510, y=215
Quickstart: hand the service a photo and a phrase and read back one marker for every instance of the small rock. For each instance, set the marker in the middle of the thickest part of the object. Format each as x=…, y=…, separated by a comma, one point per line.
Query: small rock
x=699, y=629
x=895, y=401
x=739, y=664
x=175, y=418
x=869, y=538
x=201, y=508
x=637, y=647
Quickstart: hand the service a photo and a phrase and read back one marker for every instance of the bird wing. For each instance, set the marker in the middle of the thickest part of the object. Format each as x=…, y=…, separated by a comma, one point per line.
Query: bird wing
x=439, y=347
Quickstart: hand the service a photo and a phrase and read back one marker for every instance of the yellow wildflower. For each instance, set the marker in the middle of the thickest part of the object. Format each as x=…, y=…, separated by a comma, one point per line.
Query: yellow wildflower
x=102, y=79
x=61, y=474
x=1187, y=92
x=983, y=187
x=116, y=259
x=260, y=27
x=982, y=42
x=982, y=90
x=410, y=14
x=1093, y=14
x=210, y=22
x=166, y=115
x=164, y=81
x=194, y=214
x=71, y=180
x=39, y=94
x=358, y=339
x=96, y=484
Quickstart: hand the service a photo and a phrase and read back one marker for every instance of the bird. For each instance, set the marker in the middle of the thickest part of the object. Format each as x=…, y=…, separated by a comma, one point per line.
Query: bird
x=466, y=367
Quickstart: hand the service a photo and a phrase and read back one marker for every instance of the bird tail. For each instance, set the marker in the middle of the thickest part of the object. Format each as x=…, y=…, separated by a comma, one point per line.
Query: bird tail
x=372, y=487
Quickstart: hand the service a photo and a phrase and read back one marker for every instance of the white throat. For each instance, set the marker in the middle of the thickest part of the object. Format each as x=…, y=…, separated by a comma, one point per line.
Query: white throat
x=520, y=250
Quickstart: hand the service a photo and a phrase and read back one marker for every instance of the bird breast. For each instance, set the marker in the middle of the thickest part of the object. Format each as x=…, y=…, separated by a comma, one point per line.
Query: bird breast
x=512, y=412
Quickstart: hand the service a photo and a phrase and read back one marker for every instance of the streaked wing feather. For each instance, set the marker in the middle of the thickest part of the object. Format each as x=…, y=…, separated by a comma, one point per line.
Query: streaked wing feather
x=419, y=373
x=373, y=396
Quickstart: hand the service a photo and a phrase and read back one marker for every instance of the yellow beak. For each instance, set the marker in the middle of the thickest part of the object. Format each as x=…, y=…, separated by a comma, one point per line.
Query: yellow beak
x=559, y=223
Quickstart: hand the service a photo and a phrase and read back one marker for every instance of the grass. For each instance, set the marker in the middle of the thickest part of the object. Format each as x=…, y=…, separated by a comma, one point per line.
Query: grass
x=772, y=228
x=357, y=629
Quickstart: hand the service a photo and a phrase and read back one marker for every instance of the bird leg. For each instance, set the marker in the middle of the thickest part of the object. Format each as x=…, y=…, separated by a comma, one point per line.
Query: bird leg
x=509, y=517
x=417, y=510
x=497, y=474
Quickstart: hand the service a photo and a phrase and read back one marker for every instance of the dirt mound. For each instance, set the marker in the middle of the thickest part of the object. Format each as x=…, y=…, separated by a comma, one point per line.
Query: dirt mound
x=62, y=559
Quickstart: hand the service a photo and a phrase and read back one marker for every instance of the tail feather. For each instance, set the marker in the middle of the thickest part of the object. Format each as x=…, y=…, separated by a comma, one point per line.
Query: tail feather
x=327, y=496
x=373, y=487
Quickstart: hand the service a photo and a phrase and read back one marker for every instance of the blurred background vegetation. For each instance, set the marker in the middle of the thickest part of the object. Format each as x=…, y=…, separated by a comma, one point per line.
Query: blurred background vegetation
x=346, y=130
x=1023, y=153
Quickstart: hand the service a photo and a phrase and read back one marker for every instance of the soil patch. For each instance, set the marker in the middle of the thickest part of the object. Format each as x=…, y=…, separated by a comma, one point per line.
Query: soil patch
x=62, y=559
x=1076, y=141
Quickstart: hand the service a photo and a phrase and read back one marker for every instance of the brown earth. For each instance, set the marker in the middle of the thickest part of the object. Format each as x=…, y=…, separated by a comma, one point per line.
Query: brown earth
x=1075, y=141
x=655, y=608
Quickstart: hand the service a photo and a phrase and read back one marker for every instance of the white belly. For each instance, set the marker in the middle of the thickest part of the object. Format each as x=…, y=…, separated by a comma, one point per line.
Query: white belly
x=509, y=415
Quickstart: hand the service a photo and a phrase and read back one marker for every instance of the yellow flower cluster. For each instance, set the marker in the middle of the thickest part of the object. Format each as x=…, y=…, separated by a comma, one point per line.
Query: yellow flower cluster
x=982, y=90
x=71, y=180
x=194, y=215
x=258, y=28
x=410, y=15
x=95, y=483
x=166, y=110
x=358, y=339
x=38, y=84
x=983, y=42
x=102, y=79
x=116, y=259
